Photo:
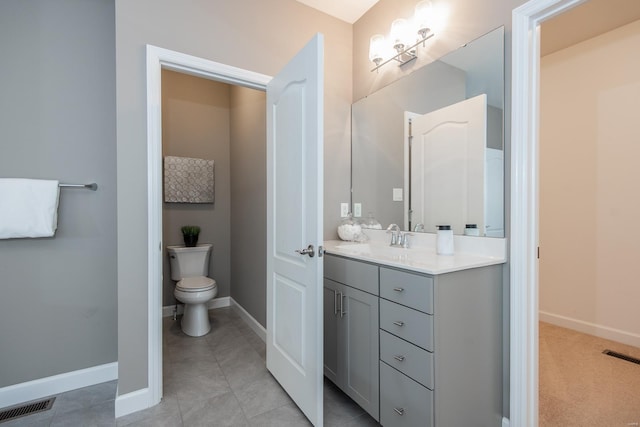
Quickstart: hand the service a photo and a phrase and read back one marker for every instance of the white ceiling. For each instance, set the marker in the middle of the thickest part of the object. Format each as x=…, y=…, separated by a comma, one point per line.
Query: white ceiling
x=347, y=10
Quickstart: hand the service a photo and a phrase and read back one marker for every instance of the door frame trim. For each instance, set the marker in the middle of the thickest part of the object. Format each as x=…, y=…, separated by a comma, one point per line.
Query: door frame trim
x=525, y=108
x=157, y=59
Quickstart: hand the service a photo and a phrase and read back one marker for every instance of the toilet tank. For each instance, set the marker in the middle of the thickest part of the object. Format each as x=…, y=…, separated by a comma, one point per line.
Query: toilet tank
x=189, y=262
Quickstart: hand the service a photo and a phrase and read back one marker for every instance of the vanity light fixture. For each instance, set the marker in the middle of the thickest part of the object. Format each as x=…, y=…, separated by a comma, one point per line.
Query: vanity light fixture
x=404, y=38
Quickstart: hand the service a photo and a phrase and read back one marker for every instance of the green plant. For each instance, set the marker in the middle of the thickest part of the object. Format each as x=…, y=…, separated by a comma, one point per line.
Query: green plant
x=190, y=230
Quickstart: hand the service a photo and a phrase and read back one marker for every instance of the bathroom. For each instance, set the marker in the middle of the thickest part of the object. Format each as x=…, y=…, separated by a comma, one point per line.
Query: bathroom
x=345, y=81
x=210, y=120
x=113, y=282
x=495, y=47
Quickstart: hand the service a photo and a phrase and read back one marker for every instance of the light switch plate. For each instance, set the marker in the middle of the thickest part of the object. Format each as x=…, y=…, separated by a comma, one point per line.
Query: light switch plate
x=397, y=194
x=344, y=209
x=357, y=210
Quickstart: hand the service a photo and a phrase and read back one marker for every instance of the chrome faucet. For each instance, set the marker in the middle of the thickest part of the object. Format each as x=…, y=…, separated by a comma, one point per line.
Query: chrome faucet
x=404, y=240
x=398, y=238
x=396, y=234
x=418, y=227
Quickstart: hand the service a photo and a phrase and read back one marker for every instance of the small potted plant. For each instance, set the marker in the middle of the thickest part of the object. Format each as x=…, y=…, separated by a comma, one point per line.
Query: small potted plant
x=190, y=235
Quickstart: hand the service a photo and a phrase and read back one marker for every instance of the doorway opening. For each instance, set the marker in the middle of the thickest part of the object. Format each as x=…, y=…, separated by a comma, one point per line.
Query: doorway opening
x=588, y=98
x=159, y=59
x=524, y=237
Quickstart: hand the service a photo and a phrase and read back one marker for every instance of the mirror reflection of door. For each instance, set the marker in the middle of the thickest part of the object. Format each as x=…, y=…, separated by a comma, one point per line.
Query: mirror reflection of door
x=447, y=159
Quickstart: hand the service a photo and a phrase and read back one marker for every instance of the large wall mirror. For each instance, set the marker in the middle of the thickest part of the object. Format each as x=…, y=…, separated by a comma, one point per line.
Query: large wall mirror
x=428, y=149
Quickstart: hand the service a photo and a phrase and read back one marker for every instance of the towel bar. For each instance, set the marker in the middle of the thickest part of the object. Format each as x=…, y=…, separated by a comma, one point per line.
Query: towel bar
x=93, y=186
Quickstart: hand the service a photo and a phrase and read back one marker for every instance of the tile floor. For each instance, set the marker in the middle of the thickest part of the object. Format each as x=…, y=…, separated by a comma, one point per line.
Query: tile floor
x=216, y=380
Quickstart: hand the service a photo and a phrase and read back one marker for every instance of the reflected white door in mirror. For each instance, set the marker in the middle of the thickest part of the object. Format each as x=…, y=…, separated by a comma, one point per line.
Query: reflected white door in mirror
x=449, y=175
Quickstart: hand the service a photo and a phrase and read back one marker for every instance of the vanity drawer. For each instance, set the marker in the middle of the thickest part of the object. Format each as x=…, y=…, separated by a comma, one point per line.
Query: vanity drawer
x=407, y=323
x=407, y=358
x=356, y=274
x=412, y=290
x=403, y=402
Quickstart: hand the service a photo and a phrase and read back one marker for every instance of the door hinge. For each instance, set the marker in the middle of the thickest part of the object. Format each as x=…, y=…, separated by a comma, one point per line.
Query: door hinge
x=538, y=252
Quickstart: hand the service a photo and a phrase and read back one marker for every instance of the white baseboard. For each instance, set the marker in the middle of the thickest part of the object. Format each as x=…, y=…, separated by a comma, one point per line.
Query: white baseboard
x=600, y=331
x=133, y=402
x=505, y=422
x=56, y=384
x=249, y=320
x=167, y=310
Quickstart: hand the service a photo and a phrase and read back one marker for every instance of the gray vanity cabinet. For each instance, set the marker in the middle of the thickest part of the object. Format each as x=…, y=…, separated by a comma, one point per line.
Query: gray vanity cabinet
x=331, y=325
x=413, y=349
x=351, y=330
x=441, y=348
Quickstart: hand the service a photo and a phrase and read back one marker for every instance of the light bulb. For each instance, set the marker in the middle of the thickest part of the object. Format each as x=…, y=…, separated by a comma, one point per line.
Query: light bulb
x=376, y=48
x=399, y=34
x=422, y=16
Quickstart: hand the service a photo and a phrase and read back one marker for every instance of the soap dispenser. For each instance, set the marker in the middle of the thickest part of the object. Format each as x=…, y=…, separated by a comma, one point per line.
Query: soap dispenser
x=471, y=230
x=444, y=240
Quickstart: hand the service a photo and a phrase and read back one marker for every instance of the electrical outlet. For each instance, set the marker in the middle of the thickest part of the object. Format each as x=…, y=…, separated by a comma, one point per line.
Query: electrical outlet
x=397, y=194
x=344, y=209
x=357, y=210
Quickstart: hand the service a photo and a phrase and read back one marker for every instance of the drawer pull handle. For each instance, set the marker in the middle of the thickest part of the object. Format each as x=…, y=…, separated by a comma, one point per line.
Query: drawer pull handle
x=399, y=411
x=398, y=323
x=399, y=358
x=398, y=289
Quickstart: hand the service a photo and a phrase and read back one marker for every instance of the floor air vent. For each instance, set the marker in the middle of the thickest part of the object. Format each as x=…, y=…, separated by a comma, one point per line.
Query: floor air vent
x=622, y=356
x=28, y=409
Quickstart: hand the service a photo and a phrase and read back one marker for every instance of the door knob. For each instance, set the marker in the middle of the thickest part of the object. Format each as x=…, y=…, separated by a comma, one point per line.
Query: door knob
x=308, y=251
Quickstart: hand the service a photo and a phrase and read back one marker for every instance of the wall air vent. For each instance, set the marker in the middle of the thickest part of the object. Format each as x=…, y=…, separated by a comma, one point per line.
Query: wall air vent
x=27, y=409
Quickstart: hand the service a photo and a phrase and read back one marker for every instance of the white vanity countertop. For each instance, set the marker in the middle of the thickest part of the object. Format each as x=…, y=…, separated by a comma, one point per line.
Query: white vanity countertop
x=470, y=252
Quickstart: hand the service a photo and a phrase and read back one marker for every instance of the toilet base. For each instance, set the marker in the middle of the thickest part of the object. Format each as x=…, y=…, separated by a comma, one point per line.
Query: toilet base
x=195, y=321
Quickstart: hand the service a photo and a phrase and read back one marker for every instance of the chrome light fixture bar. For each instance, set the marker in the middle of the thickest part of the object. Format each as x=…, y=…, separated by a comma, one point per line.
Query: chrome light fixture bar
x=400, y=43
x=404, y=55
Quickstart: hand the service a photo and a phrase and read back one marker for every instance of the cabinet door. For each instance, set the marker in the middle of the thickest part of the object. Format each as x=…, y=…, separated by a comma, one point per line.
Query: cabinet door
x=331, y=325
x=360, y=328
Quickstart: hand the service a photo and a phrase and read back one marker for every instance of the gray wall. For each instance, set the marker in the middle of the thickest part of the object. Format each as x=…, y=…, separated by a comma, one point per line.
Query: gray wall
x=249, y=201
x=57, y=121
x=195, y=123
x=251, y=34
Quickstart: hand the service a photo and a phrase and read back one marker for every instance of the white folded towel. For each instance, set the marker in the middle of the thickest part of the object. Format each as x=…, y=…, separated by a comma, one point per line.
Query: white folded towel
x=28, y=208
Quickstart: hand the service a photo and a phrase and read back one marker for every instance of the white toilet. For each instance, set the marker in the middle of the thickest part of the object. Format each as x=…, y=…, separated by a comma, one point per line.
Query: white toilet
x=189, y=268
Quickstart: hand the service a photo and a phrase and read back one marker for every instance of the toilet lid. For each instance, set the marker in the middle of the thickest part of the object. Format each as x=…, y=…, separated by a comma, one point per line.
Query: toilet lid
x=196, y=284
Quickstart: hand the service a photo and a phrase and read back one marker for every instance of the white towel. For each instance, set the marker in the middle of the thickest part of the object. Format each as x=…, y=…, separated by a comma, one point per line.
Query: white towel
x=28, y=208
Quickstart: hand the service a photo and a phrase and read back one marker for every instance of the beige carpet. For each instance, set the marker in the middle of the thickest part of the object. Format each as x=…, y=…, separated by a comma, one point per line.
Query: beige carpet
x=580, y=386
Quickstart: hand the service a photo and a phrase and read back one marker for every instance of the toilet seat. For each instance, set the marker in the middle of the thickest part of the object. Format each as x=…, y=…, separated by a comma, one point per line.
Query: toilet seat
x=196, y=284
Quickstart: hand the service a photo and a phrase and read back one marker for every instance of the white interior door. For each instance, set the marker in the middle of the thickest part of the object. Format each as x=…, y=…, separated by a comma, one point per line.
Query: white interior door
x=294, y=223
x=447, y=165
x=494, y=193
